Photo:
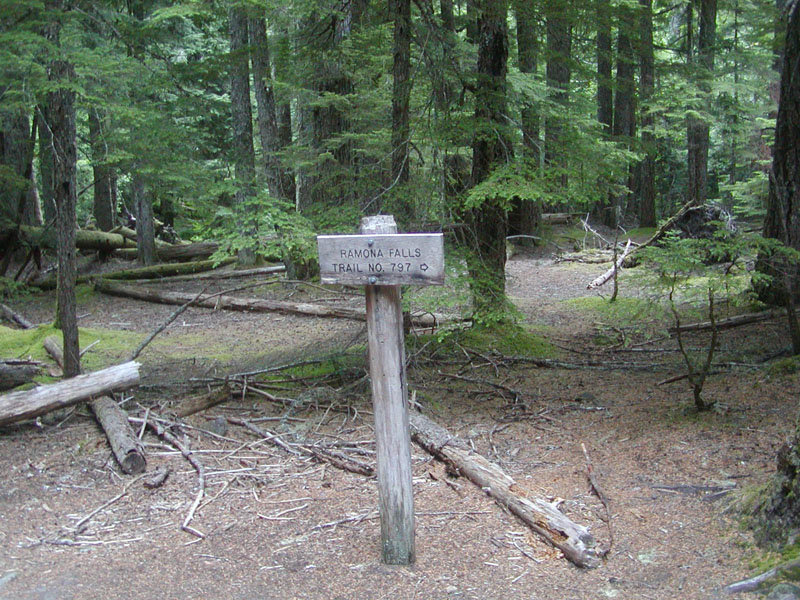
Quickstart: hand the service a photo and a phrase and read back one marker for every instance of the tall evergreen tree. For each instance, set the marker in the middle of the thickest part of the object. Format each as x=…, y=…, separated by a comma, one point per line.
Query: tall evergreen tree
x=491, y=148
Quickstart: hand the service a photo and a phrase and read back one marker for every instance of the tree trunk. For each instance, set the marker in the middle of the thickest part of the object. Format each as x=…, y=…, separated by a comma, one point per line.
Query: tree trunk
x=242, y=120
x=525, y=215
x=490, y=149
x=624, y=121
x=697, y=129
x=145, y=227
x=558, y=74
x=783, y=204
x=279, y=180
x=604, y=208
x=401, y=92
x=61, y=120
x=647, y=186
x=104, y=197
x=46, y=165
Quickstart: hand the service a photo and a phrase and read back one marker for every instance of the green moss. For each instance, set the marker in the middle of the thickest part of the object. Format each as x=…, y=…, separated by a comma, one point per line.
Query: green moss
x=112, y=346
x=784, y=366
x=640, y=234
x=622, y=312
x=508, y=339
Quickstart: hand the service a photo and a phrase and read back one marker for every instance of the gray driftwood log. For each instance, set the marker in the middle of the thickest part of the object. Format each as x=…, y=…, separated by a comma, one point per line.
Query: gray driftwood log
x=18, y=406
x=114, y=421
x=574, y=540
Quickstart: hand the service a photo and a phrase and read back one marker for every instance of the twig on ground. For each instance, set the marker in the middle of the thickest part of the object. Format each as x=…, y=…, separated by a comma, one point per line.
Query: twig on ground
x=198, y=466
x=601, y=495
x=176, y=313
x=80, y=525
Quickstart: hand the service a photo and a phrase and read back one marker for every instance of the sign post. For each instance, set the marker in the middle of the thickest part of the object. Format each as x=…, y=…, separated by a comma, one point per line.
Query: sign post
x=382, y=260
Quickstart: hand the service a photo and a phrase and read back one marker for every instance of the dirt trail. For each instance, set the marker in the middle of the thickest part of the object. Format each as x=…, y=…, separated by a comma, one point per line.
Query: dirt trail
x=281, y=526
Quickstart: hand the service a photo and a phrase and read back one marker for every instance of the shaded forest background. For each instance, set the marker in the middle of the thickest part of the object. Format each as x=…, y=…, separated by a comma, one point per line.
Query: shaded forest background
x=261, y=124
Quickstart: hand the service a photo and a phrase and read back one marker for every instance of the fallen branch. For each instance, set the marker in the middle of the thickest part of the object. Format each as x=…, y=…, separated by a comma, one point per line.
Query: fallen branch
x=614, y=268
x=542, y=517
x=164, y=325
x=18, y=406
x=225, y=274
x=198, y=466
x=200, y=403
x=334, y=458
x=601, y=495
x=15, y=317
x=81, y=524
x=730, y=322
x=754, y=583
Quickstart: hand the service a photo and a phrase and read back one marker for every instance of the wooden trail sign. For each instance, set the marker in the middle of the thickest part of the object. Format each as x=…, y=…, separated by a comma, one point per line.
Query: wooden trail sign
x=382, y=260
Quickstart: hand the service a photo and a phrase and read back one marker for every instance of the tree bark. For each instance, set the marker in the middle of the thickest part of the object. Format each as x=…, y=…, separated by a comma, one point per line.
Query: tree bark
x=558, y=74
x=624, y=118
x=491, y=148
x=242, y=121
x=525, y=215
x=647, y=186
x=61, y=119
x=542, y=517
x=783, y=203
x=279, y=180
x=145, y=226
x=401, y=91
x=46, y=165
x=124, y=444
x=697, y=128
x=104, y=208
x=19, y=406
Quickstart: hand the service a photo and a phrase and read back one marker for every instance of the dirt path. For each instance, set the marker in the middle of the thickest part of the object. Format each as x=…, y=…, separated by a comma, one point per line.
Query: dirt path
x=281, y=526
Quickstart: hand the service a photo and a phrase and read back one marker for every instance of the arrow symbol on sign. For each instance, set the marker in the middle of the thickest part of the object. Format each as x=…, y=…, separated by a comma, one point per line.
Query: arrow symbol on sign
x=423, y=267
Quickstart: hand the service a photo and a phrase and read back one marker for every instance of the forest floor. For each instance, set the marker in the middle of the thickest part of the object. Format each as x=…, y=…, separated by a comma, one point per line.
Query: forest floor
x=278, y=525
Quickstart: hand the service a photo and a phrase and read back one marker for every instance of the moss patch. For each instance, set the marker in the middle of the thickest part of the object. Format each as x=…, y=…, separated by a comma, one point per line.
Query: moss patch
x=508, y=339
x=622, y=312
x=112, y=346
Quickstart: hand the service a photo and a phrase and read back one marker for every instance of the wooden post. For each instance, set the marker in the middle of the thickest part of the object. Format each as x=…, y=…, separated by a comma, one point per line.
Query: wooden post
x=389, y=397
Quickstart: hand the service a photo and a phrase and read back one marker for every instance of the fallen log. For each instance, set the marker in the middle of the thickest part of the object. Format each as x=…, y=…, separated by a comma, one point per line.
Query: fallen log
x=85, y=239
x=730, y=322
x=223, y=274
x=542, y=517
x=15, y=372
x=176, y=252
x=151, y=272
x=18, y=406
x=614, y=268
x=248, y=304
x=558, y=218
x=124, y=444
x=15, y=317
x=200, y=403
x=787, y=570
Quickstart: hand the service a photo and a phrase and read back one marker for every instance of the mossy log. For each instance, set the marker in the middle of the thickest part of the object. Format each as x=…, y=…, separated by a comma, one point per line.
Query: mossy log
x=176, y=253
x=541, y=516
x=27, y=404
x=85, y=239
x=151, y=272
